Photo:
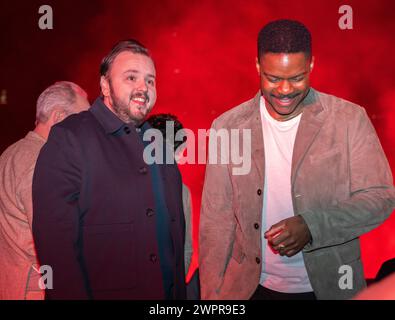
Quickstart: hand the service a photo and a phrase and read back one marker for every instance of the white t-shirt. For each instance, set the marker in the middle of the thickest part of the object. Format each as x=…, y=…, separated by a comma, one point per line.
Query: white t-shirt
x=279, y=273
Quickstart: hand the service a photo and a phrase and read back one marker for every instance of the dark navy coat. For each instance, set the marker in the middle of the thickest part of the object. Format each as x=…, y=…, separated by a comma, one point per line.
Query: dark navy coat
x=94, y=219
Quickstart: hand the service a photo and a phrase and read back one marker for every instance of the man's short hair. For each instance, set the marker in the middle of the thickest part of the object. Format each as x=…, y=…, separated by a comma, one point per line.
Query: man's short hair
x=158, y=121
x=125, y=45
x=284, y=36
x=61, y=95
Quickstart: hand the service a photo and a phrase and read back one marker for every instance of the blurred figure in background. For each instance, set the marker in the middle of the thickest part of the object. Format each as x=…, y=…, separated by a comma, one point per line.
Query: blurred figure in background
x=19, y=276
x=383, y=290
x=158, y=121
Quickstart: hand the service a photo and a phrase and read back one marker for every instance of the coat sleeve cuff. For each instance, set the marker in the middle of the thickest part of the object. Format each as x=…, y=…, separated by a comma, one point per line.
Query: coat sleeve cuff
x=310, y=219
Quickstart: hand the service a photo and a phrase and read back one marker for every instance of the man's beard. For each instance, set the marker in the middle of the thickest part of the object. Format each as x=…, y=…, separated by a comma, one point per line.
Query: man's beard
x=122, y=109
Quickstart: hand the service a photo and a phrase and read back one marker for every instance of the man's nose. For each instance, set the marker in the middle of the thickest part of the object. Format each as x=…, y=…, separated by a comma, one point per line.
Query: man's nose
x=142, y=85
x=285, y=87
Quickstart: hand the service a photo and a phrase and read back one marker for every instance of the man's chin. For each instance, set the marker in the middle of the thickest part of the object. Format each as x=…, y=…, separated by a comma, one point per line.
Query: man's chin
x=284, y=111
x=138, y=118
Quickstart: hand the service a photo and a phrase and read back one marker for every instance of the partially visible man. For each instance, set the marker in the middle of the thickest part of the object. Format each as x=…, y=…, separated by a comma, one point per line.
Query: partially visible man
x=19, y=276
x=162, y=122
x=159, y=122
x=382, y=290
x=110, y=225
x=320, y=180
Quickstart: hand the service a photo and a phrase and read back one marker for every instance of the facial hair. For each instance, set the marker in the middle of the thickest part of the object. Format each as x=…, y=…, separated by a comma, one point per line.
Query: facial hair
x=122, y=109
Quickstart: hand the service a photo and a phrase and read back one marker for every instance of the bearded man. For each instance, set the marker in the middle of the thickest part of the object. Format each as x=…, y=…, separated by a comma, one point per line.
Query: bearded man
x=109, y=225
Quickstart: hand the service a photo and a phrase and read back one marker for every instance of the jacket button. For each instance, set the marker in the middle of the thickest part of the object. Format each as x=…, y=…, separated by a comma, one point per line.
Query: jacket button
x=127, y=130
x=259, y=192
x=258, y=261
x=143, y=170
x=256, y=226
x=149, y=212
x=153, y=257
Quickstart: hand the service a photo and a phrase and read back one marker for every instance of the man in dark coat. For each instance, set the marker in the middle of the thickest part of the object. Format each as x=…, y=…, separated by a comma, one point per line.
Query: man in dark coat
x=110, y=225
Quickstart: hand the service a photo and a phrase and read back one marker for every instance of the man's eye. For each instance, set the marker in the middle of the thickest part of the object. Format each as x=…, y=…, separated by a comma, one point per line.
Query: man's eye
x=274, y=80
x=297, y=79
x=151, y=82
x=132, y=78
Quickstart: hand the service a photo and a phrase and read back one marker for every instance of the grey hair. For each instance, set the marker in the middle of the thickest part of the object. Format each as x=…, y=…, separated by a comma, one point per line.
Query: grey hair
x=61, y=95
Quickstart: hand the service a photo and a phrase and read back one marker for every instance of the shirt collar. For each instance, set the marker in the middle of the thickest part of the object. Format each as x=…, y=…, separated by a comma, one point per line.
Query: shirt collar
x=111, y=123
x=35, y=136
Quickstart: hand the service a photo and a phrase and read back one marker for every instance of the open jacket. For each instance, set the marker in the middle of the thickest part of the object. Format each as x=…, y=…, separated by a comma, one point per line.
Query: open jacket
x=341, y=185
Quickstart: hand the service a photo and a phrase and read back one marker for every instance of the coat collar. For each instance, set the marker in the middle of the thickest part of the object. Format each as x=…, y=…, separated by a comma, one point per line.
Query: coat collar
x=313, y=117
x=255, y=124
x=108, y=120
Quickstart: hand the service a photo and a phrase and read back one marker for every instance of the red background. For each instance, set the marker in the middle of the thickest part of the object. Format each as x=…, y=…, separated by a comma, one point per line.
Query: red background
x=205, y=58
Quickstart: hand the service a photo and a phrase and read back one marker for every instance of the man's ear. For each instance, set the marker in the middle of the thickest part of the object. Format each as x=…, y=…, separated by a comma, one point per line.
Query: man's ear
x=105, y=86
x=58, y=115
x=258, y=66
x=312, y=63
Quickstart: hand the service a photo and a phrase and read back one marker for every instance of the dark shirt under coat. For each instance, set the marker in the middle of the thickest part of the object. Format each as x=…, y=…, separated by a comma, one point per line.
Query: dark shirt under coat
x=94, y=211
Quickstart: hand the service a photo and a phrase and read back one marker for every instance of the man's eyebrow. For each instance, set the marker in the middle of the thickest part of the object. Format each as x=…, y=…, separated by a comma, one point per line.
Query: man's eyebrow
x=273, y=76
x=136, y=71
x=270, y=75
x=298, y=75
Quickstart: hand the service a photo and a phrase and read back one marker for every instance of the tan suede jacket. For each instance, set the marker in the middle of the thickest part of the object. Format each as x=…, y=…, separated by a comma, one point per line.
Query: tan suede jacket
x=341, y=185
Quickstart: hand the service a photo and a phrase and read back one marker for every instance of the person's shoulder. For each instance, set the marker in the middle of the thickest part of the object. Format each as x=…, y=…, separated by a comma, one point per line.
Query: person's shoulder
x=12, y=151
x=22, y=154
x=77, y=123
x=235, y=116
x=73, y=128
x=339, y=106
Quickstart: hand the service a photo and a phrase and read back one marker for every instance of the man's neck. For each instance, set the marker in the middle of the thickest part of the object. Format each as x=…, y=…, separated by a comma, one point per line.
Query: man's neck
x=42, y=130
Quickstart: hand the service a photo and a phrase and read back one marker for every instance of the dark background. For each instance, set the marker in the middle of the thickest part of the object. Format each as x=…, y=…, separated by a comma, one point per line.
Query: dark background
x=205, y=58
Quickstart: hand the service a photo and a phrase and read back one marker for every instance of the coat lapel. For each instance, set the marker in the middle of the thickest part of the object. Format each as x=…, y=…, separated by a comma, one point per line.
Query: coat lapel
x=310, y=124
x=257, y=148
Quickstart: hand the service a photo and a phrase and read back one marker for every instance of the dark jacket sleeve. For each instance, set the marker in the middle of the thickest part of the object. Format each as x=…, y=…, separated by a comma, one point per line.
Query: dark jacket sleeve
x=56, y=189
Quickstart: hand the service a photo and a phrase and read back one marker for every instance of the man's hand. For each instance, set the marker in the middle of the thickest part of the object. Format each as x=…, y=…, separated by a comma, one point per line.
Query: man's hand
x=289, y=236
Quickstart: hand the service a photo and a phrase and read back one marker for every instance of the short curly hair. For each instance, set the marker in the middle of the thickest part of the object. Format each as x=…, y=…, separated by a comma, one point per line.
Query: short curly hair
x=284, y=36
x=158, y=121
